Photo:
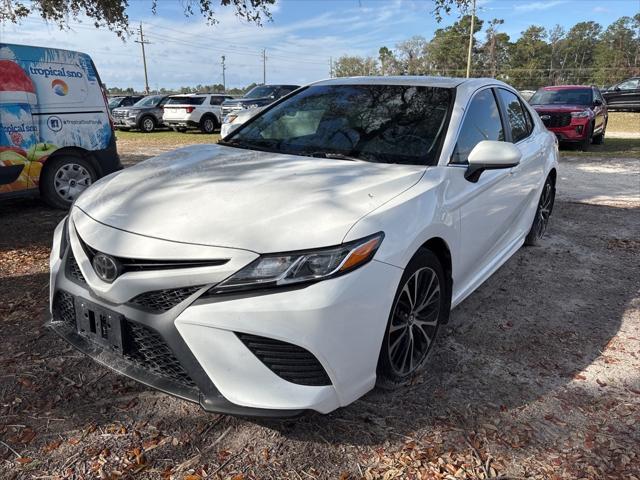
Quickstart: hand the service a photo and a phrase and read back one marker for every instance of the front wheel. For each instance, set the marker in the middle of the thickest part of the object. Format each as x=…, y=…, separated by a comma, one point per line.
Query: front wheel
x=147, y=124
x=586, y=141
x=543, y=213
x=64, y=179
x=420, y=305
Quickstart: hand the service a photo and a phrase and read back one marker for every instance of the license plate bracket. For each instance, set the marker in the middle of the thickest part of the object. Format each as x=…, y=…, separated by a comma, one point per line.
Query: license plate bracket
x=100, y=325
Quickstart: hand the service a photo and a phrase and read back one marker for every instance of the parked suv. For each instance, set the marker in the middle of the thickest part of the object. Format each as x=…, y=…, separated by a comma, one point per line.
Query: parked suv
x=575, y=113
x=200, y=110
x=259, y=96
x=124, y=101
x=145, y=115
x=624, y=95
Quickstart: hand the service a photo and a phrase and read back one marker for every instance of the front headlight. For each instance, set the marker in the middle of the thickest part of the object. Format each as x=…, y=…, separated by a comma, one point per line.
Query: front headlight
x=230, y=118
x=269, y=271
x=583, y=114
x=253, y=105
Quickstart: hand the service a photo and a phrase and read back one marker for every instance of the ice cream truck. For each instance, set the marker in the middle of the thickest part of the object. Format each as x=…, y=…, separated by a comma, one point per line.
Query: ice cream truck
x=56, y=135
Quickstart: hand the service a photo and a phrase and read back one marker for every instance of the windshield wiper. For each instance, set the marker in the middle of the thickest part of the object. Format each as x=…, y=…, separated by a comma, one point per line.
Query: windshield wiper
x=333, y=155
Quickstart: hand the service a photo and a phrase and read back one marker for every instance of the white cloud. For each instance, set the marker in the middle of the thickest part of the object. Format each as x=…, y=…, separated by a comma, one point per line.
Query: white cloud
x=187, y=51
x=536, y=6
x=600, y=10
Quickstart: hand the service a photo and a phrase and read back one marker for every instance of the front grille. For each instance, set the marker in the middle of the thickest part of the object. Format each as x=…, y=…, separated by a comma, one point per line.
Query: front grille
x=73, y=269
x=159, y=301
x=64, y=309
x=147, y=349
x=555, y=119
x=119, y=114
x=288, y=361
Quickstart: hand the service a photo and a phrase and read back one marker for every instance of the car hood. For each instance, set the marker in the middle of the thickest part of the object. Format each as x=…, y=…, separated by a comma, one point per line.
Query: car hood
x=560, y=108
x=231, y=197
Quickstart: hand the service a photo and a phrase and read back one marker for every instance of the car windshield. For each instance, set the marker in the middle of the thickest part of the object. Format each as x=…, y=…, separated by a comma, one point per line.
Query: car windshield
x=185, y=101
x=373, y=123
x=573, y=96
x=261, y=92
x=150, y=101
x=114, y=102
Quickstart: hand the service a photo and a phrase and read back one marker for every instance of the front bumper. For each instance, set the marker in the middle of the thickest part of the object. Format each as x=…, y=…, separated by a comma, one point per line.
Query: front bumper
x=576, y=131
x=340, y=322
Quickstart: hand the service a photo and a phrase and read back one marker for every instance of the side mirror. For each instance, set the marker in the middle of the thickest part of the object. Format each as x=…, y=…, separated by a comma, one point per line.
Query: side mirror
x=491, y=155
x=616, y=89
x=597, y=103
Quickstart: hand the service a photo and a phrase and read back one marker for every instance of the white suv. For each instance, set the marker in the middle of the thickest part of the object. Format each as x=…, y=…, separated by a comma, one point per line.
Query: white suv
x=198, y=110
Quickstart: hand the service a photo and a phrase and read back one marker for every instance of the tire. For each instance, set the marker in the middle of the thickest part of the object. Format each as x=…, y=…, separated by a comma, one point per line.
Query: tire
x=586, y=142
x=543, y=213
x=147, y=124
x=208, y=124
x=411, y=331
x=599, y=139
x=64, y=178
x=123, y=129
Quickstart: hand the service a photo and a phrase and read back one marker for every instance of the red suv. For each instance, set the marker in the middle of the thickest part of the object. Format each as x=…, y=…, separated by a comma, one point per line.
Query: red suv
x=575, y=113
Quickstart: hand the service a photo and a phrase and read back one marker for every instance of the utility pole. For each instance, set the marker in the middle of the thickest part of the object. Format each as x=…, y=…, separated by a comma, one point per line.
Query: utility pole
x=142, y=43
x=264, y=66
x=473, y=18
x=224, y=84
x=331, y=67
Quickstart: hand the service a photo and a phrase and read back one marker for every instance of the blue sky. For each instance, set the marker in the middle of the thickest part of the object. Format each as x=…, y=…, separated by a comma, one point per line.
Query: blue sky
x=303, y=36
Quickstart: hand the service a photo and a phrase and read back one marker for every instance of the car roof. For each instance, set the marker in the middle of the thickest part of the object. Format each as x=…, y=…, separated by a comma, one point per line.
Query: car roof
x=566, y=87
x=199, y=94
x=414, y=80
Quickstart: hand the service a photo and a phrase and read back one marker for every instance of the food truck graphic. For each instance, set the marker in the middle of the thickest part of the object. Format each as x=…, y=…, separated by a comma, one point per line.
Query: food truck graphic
x=56, y=136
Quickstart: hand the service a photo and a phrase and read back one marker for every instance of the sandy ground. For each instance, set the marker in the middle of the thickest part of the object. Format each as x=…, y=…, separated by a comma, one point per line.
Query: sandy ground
x=536, y=376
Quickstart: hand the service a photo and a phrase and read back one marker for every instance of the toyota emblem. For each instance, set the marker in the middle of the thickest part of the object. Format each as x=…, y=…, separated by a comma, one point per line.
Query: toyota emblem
x=106, y=267
x=545, y=117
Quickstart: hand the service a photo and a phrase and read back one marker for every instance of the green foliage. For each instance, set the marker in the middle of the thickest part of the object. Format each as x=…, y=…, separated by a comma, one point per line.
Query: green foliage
x=584, y=55
x=112, y=13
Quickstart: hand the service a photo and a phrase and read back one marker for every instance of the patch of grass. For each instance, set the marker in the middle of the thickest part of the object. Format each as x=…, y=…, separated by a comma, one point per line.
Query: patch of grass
x=612, y=147
x=624, y=122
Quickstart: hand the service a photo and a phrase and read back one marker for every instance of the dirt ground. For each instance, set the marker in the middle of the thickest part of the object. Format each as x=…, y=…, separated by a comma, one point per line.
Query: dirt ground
x=537, y=375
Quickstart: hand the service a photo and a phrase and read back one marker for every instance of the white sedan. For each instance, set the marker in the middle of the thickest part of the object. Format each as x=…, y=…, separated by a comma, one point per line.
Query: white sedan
x=313, y=253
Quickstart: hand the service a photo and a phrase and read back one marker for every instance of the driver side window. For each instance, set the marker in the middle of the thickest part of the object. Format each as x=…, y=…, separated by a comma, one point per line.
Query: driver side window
x=482, y=122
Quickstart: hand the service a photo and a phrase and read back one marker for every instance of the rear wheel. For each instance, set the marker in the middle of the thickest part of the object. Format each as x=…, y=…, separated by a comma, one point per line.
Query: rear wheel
x=543, y=213
x=64, y=179
x=208, y=125
x=421, y=303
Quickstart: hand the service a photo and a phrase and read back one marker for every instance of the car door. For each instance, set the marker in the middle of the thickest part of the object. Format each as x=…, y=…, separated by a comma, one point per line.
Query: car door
x=489, y=208
x=525, y=177
x=600, y=111
x=625, y=93
x=216, y=103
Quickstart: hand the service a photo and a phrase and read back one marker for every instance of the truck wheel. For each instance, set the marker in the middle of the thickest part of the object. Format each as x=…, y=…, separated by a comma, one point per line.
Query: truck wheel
x=586, y=141
x=599, y=139
x=64, y=179
x=147, y=124
x=208, y=125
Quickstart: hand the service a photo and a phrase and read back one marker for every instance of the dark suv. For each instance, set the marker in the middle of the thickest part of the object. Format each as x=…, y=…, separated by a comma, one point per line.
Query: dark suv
x=145, y=115
x=259, y=96
x=575, y=113
x=624, y=95
x=123, y=101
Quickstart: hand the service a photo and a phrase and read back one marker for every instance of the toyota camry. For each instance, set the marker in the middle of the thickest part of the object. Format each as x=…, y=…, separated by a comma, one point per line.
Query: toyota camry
x=313, y=253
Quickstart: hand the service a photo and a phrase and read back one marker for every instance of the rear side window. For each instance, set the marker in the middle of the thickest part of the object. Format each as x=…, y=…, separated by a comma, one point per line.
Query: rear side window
x=216, y=100
x=519, y=124
x=482, y=122
x=185, y=101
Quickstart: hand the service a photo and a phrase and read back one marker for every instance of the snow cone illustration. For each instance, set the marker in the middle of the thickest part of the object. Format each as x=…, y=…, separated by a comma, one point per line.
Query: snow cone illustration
x=19, y=135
